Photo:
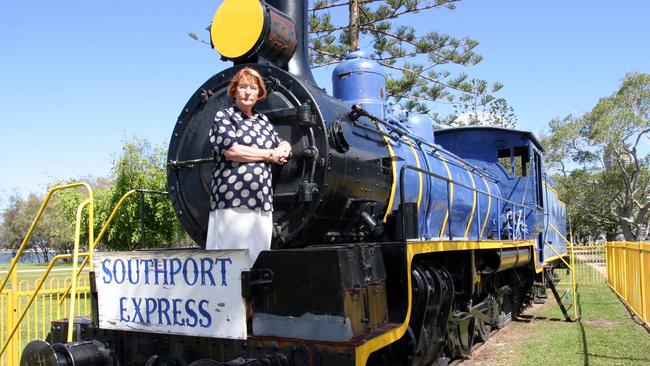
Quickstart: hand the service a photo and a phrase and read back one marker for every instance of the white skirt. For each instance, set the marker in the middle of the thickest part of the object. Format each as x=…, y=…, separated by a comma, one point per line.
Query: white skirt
x=240, y=228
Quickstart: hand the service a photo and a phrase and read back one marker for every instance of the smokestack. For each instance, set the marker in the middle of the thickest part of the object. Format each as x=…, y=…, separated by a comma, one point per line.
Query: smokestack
x=297, y=11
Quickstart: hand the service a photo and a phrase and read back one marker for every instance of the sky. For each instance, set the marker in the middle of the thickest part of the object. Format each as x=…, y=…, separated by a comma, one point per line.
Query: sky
x=77, y=78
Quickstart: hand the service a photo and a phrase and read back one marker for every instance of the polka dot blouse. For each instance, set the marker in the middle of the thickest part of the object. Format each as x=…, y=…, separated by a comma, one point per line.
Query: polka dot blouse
x=236, y=184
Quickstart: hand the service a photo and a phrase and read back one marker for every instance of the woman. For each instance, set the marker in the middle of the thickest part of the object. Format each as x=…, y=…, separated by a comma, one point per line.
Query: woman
x=245, y=145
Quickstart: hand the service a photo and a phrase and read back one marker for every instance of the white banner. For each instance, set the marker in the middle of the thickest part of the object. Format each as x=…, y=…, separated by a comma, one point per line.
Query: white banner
x=192, y=292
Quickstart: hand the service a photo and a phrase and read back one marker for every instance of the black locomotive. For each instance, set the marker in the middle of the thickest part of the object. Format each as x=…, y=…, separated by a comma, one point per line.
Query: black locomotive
x=392, y=244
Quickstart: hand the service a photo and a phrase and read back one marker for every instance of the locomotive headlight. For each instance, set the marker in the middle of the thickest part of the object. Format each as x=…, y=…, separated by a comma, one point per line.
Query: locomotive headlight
x=242, y=30
x=236, y=27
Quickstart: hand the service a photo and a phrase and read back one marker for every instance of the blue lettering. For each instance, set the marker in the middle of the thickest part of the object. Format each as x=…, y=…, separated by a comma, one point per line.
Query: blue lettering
x=176, y=312
x=131, y=271
x=146, y=270
x=186, y=272
x=136, y=309
x=192, y=314
x=174, y=269
x=107, y=272
x=123, y=310
x=207, y=272
x=122, y=272
x=206, y=315
x=223, y=269
x=150, y=305
x=163, y=308
x=157, y=270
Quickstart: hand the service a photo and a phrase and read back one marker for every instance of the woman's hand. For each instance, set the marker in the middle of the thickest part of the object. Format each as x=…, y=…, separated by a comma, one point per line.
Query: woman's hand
x=283, y=152
x=280, y=156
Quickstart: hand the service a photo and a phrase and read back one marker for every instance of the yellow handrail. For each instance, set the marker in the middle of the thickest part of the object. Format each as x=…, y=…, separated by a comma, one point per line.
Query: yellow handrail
x=559, y=255
x=75, y=259
x=52, y=190
x=39, y=284
x=571, y=266
x=91, y=249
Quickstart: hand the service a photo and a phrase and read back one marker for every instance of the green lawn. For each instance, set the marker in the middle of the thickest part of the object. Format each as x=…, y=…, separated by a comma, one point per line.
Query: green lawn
x=606, y=334
x=29, y=273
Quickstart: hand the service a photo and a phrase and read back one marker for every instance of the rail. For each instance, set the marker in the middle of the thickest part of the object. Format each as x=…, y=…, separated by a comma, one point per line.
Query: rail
x=453, y=182
x=628, y=275
x=39, y=284
x=72, y=288
x=28, y=236
x=98, y=239
x=14, y=261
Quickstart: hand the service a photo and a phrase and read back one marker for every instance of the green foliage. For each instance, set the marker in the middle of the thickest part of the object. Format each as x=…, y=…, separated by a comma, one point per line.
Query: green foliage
x=416, y=60
x=138, y=166
x=17, y=218
x=141, y=166
x=611, y=189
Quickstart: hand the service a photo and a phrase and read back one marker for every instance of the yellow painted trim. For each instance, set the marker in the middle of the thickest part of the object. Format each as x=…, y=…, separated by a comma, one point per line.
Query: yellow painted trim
x=471, y=215
x=363, y=351
x=417, y=163
x=451, y=194
x=487, y=214
x=236, y=27
x=557, y=195
x=393, y=187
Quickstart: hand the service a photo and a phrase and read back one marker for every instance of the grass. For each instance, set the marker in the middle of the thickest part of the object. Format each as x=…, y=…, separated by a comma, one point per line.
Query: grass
x=605, y=334
x=29, y=273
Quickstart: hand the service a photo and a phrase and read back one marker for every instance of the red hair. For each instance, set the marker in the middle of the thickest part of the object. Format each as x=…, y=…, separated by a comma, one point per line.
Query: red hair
x=251, y=76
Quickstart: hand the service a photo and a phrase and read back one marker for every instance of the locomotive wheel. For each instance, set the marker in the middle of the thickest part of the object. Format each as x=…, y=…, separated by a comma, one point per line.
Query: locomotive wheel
x=466, y=336
x=483, y=329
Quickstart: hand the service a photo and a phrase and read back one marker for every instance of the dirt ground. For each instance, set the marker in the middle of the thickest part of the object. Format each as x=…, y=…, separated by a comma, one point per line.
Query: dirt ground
x=497, y=347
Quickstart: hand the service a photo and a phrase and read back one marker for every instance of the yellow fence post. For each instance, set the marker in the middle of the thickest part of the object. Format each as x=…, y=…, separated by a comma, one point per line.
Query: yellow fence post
x=12, y=314
x=625, y=277
x=644, y=315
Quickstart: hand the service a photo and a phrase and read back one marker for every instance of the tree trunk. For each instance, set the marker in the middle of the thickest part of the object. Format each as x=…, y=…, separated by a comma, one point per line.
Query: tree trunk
x=628, y=233
x=354, y=24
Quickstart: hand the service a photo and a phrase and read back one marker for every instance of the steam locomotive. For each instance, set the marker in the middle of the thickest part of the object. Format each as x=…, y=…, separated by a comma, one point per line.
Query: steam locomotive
x=393, y=244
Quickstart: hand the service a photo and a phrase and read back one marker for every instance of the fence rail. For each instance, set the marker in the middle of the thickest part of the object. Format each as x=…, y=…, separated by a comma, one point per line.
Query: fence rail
x=628, y=274
x=51, y=303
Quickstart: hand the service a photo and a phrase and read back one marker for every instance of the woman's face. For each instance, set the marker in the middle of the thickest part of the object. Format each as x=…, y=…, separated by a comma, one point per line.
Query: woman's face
x=246, y=93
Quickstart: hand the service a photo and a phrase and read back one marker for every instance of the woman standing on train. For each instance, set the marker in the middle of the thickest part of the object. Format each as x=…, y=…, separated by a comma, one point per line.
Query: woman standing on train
x=245, y=144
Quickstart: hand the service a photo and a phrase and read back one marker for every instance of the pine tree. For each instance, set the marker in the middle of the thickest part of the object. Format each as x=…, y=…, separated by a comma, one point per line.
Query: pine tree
x=416, y=60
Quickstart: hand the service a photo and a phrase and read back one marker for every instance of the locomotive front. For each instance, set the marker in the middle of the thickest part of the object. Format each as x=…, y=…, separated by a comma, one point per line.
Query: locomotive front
x=337, y=183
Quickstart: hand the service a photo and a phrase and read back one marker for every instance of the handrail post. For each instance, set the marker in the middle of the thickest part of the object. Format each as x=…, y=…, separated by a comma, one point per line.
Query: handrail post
x=11, y=316
x=449, y=209
x=100, y=236
x=142, y=233
x=75, y=259
x=478, y=216
x=573, y=284
x=499, y=218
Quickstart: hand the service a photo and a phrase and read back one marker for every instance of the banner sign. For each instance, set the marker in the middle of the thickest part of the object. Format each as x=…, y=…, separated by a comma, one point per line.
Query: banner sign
x=190, y=292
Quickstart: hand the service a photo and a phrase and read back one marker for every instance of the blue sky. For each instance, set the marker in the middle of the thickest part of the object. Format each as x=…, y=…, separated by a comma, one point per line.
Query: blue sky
x=78, y=77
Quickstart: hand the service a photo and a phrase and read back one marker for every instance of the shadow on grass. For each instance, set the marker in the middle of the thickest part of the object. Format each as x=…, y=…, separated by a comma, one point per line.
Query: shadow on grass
x=634, y=316
x=618, y=357
x=583, y=334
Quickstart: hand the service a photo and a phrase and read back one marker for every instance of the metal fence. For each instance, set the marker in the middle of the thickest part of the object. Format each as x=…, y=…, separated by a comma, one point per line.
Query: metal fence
x=590, y=264
x=628, y=274
x=50, y=304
